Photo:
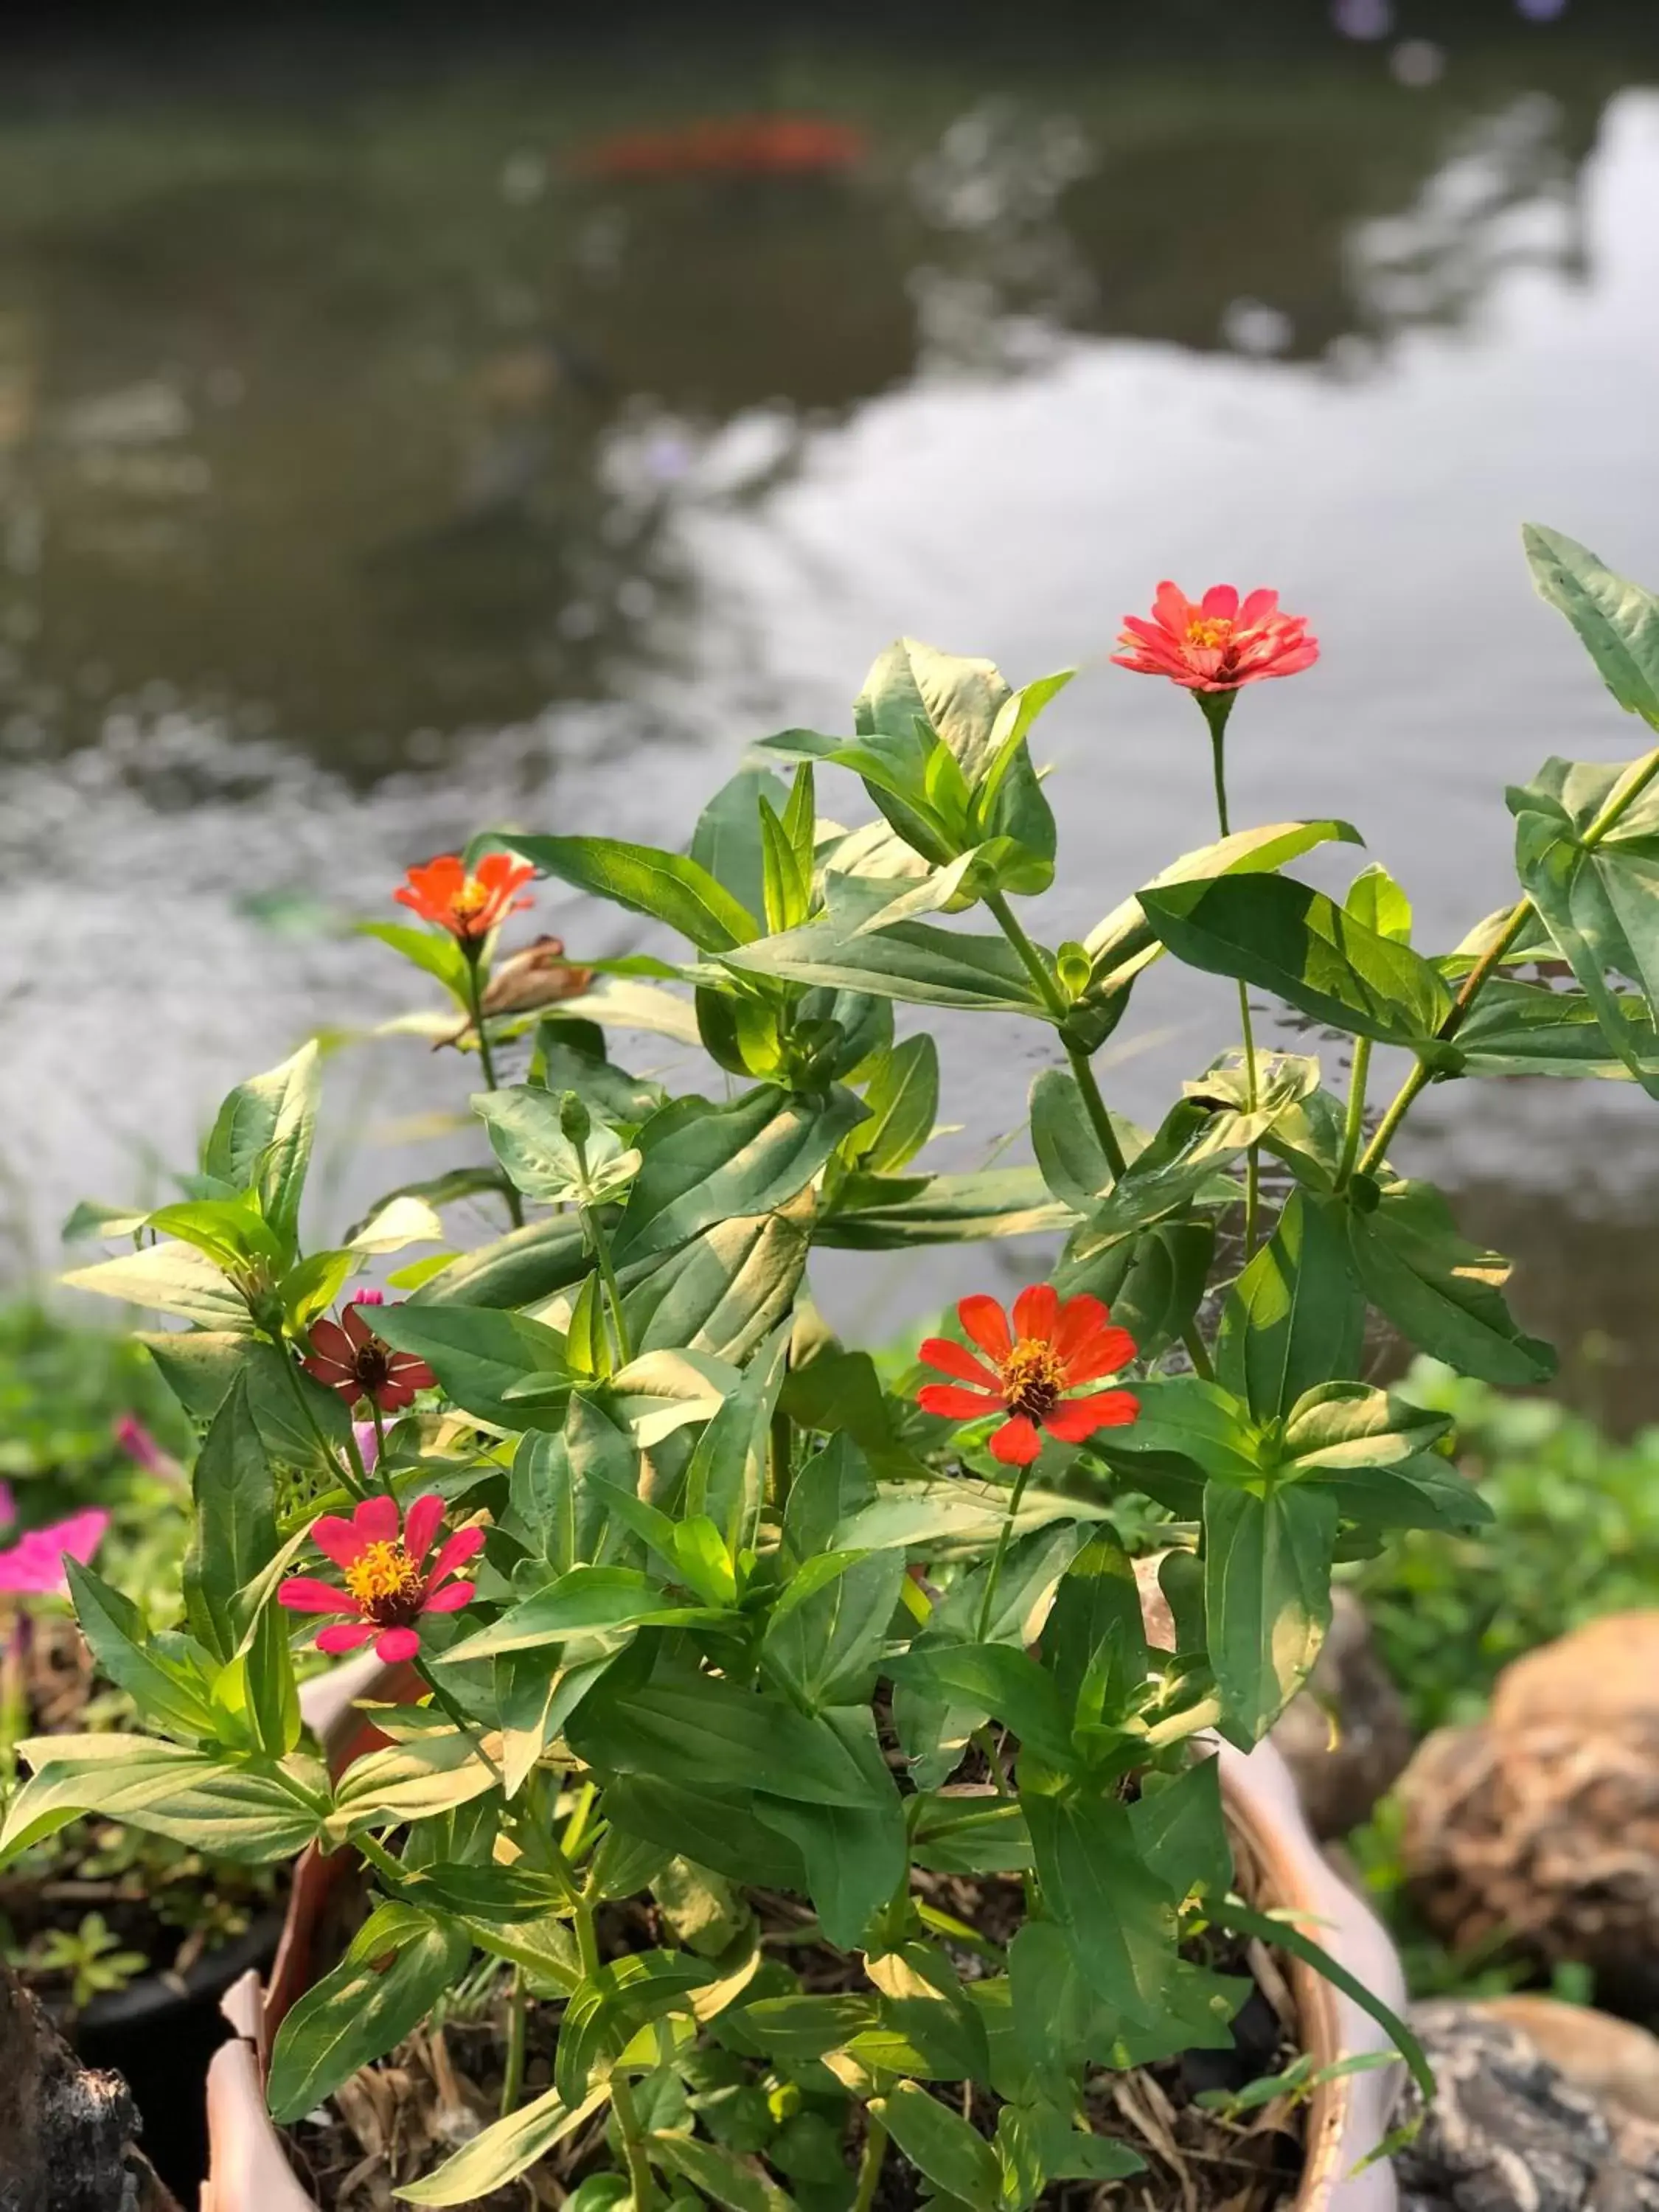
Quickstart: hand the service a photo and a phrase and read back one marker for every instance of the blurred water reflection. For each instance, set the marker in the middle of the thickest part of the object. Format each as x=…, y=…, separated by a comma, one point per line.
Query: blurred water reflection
x=373, y=464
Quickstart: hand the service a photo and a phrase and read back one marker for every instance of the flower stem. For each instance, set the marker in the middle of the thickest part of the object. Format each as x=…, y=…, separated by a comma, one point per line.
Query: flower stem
x=381, y=1860
x=380, y=1467
x=353, y=1479
x=987, y=1747
x=486, y=1058
x=642, y=2187
x=512, y=2074
x=1217, y=706
x=441, y=1697
x=600, y=1246
x=995, y=1573
x=870, y=2162
x=1353, y=1126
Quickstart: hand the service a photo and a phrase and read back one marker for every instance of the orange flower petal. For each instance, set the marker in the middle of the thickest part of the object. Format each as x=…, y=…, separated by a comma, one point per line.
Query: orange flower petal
x=1017, y=1443
x=1074, y=1419
x=953, y=1359
x=955, y=1403
x=984, y=1320
x=1036, y=1312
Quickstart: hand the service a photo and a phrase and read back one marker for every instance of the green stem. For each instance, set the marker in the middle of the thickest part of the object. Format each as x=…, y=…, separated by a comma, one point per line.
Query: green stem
x=513, y=2076
x=987, y=1742
x=380, y=1467
x=1217, y=706
x=1198, y=1352
x=441, y=1697
x=993, y=1578
x=1354, y=1125
x=870, y=2162
x=486, y=1058
x=639, y=2181
x=600, y=1246
x=1094, y=1106
x=353, y=1479
x=1049, y=990
x=780, y=1452
x=381, y=1860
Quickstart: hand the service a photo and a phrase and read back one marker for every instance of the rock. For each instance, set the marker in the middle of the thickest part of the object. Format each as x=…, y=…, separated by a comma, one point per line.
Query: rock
x=68, y=2137
x=1543, y=1821
x=1345, y=1737
x=1614, y=2060
x=1507, y=2132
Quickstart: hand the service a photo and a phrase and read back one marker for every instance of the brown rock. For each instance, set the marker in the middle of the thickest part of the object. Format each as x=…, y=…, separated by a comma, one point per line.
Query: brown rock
x=1345, y=1737
x=1615, y=2061
x=1542, y=1824
x=68, y=2137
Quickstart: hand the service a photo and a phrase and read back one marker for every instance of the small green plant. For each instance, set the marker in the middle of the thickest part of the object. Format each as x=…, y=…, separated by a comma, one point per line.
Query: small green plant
x=758, y=1641
x=88, y=1957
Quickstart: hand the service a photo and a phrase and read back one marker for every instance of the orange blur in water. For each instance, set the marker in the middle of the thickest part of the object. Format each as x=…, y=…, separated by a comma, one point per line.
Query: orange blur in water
x=735, y=146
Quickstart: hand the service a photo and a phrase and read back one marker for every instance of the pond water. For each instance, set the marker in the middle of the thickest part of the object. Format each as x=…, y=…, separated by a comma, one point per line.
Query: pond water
x=383, y=452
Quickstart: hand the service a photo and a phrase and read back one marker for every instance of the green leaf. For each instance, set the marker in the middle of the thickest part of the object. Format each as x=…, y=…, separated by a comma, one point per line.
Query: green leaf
x=854, y=1855
x=250, y=1811
x=727, y=841
x=477, y=1354
x=171, y=1691
x=588, y=1601
x=1266, y=1598
x=1069, y=1151
x=941, y=2145
x=1278, y=1929
x=614, y=1096
x=1179, y=1828
x=726, y=1478
x=436, y=951
x=532, y=1263
x=707, y=1164
x=1337, y=1427
x=787, y=890
x=666, y=886
x=1285, y=938
x=261, y=1141
x=696, y=1731
x=911, y=960
x=902, y=1097
x=822, y=1646
x=431, y=1773
x=1443, y=1294
x=234, y=1532
x=1599, y=900
x=200, y=1366
x=994, y=1678
x=923, y=2000
x=1375, y=901
x=231, y=1231
x=1186, y=1426
x=364, y=2008
x=611, y=2004
x=941, y=1209
x=171, y=1278
x=1295, y=1317
x=1617, y=622
x=741, y=2184
x=1118, y=1915
x=719, y=1830
x=724, y=1290
x=527, y=1137
x=1528, y=1029
x=504, y=2150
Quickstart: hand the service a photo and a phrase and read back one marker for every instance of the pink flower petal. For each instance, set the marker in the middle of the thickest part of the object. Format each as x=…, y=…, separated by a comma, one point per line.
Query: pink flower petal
x=337, y=1538
x=311, y=1594
x=1220, y=603
x=1257, y=608
x=376, y=1520
x=368, y=1443
x=346, y=1637
x=450, y=1599
x=394, y=1645
x=421, y=1525
x=460, y=1547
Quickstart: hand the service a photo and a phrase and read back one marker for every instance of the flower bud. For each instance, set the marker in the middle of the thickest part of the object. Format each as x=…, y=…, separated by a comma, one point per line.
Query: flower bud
x=574, y=1119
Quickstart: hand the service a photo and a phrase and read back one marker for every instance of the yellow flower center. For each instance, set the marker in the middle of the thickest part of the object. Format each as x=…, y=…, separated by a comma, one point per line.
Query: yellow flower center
x=1212, y=632
x=469, y=900
x=385, y=1580
x=1033, y=1377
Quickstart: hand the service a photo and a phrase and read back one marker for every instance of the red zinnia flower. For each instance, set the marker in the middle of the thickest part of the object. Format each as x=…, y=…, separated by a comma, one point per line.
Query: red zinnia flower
x=388, y=1584
x=469, y=906
x=1052, y=1348
x=1218, y=644
x=348, y=1356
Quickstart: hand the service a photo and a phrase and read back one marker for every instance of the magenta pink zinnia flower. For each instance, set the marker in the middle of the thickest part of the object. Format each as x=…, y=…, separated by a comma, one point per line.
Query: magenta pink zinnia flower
x=34, y=1565
x=1216, y=644
x=388, y=1584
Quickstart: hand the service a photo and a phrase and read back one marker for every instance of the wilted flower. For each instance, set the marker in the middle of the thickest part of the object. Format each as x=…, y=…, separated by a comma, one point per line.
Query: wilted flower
x=347, y=1356
x=1052, y=1348
x=1216, y=644
x=469, y=905
x=34, y=1565
x=388, y=1583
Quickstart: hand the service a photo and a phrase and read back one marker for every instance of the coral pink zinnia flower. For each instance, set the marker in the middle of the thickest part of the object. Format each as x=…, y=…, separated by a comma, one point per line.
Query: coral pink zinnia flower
x=468, y=906
x=1216, y=645
x=388, y=1584
x=34, y=1565
x=1051, y=1349
x=348, y=1356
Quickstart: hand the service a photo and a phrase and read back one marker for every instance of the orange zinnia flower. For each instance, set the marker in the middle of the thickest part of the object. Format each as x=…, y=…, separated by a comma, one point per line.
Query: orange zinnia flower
x=1052, y=1348
x=1216, y=645
x=468, y=906
x=347, y=1356
x=388, y=1583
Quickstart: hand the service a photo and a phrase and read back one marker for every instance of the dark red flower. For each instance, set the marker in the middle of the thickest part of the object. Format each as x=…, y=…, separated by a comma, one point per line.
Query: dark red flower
x=468, y=905
x=1216, y=645
x=388, y=1584
x=348, y=1356
x=1052, y=1348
